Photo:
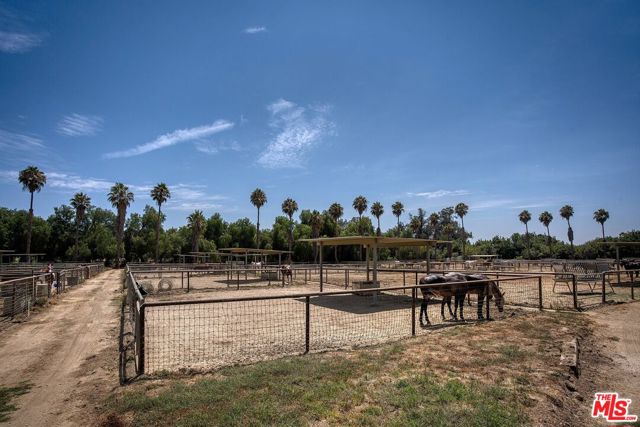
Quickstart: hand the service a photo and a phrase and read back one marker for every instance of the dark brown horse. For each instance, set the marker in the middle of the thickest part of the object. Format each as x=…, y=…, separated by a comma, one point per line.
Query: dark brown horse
x=458, y=285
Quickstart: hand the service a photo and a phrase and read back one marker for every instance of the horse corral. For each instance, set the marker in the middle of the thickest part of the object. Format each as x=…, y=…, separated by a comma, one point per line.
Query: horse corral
x=206, y=318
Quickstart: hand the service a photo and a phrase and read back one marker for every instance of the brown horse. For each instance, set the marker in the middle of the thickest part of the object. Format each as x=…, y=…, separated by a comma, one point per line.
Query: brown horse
x=448, y=287
x=458, y=285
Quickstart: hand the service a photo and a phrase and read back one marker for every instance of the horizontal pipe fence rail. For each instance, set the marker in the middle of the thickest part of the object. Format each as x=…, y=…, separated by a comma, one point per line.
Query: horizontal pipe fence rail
x=19, y=296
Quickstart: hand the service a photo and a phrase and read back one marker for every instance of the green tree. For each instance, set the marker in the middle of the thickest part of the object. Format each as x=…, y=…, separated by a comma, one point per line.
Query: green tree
x=316, y=225
x=335, y=212
x=545, y=218
x=290, y=207
x=196, y=222
x=525, y=217
x=80, y=202
x=397, y=208
x=120, y=198
x=461, y=210
x=32, y=180
x=566, y=212
x=377, y=210
x=601, y=216
x=360, y=204
x=433, y=221
x=160, y=194
x=258, y=199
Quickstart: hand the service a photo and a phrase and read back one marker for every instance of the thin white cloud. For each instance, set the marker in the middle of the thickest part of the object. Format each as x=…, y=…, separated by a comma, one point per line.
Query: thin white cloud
x=17, y=141
x=492, y=203
x=17, y=42
x=211, y=147
x=173, y=138
x=439, y=193
x=254, y=30
x=80, y=125
x=298, y=130
x=76, y=183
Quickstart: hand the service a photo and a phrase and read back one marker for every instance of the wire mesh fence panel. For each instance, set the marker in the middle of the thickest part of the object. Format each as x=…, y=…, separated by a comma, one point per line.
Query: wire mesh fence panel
x=209, y=335
x=18, y=296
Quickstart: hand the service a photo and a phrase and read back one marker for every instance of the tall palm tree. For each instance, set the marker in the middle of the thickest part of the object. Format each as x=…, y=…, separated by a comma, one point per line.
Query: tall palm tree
x=160, y=193
x=80, y=202
x=360, y=205
x=258, y=199
x=32, y=180
x=316, y=225
x=461, y=210
x=289, y=207
x=196, y=222
x=120, y=198
x=415, y=225
x=525, y=217
x=433, y=222
x=336, y=211
x=397, y=208
x=566, y=212
x=377, y=210
x=601, y=216
x=545, y=218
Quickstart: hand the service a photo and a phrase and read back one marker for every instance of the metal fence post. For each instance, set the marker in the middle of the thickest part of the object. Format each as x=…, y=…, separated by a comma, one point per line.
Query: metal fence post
x=574, y=291
x=141, y=340
x=604, y=296
x=182, y=279
x=540, y=293
x=188, y=281
x=413, y=311
x=633, y=284
x=307, y=324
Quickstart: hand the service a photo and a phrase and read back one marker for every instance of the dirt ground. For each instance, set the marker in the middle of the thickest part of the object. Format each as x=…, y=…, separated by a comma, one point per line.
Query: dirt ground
x=617, y=336
x=66, y=352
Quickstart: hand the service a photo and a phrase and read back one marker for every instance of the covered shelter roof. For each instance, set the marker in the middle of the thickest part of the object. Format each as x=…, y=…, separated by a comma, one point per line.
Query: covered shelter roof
x=253, y=251
x=379, y=241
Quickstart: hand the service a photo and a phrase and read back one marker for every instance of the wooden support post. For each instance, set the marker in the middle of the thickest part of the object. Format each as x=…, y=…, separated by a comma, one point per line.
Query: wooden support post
x=604, y=295
x=375, y=272
x=486, y=293
x=574, y=291
x=188, y=281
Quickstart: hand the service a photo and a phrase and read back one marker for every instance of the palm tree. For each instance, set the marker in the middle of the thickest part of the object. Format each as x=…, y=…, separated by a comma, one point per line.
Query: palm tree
x=566, y=212
x=397, y=208
x=360, y=205
x=415, y=225
x=196, y=222
x=461, y=210
x=120, y=198
x=160, y=193
x=545, y=218
x=32, y=180
x=258, y=199
x=433, y=222
x=316, y=225
x=601, y=216
x=335, y=212
x=525, y=217
x=289, y=207
x=80, y=202
x=377, y=210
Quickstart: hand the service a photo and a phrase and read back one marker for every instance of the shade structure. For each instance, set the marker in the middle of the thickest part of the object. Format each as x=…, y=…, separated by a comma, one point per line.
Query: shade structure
x=617, y=245
x=373, y=242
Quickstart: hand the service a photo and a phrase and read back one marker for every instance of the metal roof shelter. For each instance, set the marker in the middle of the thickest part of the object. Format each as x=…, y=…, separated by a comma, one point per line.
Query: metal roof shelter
x=373, y=242
x=10, y=253
x=253, y=251
x=617, y=246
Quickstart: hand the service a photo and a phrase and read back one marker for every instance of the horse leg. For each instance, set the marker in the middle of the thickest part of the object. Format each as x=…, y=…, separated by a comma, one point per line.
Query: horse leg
x=460, y=303
x=480, y=305
x=423, y=309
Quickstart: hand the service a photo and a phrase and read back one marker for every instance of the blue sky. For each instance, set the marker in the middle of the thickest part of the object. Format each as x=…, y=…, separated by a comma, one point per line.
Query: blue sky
x=504, y=105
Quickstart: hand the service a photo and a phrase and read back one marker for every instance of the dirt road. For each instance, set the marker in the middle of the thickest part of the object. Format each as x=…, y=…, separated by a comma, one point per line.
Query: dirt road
x=619, y=333
x=66, y=353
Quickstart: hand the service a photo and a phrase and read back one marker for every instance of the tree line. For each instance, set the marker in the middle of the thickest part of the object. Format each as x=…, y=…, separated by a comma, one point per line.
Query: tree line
x=80, y=231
